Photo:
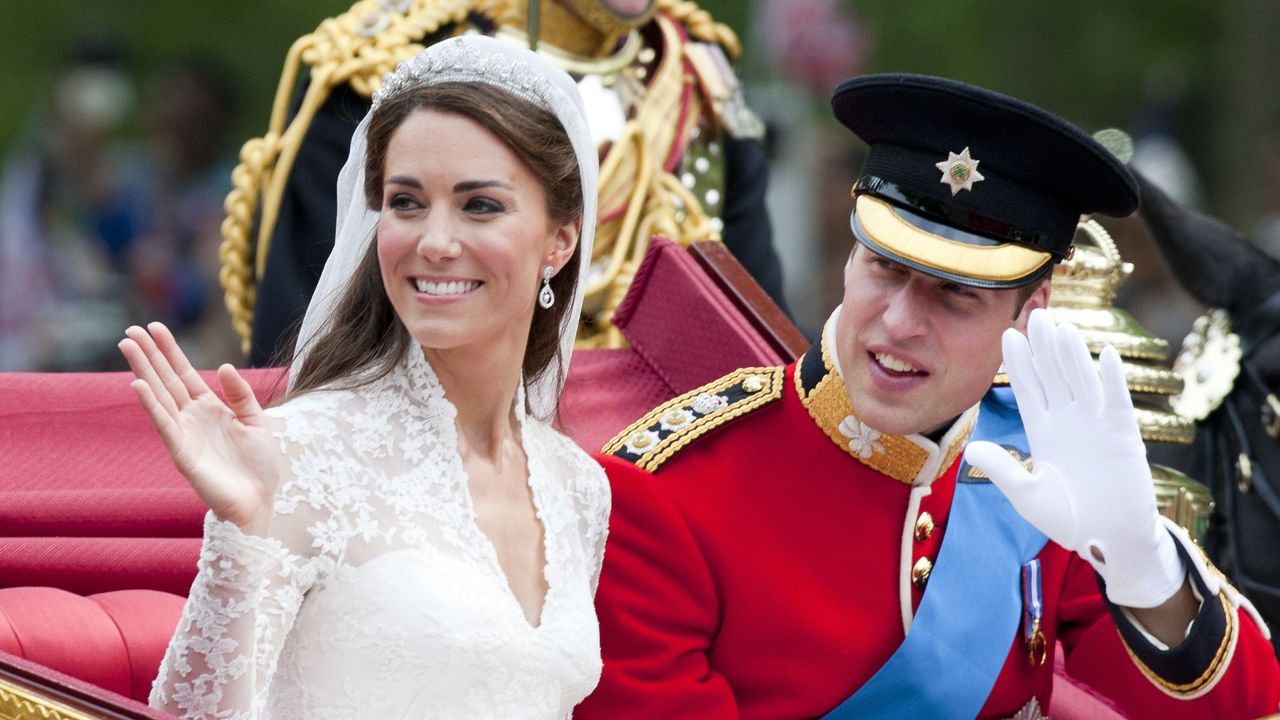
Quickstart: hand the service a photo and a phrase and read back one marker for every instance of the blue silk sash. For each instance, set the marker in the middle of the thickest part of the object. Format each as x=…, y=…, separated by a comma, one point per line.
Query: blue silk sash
x=968, y=618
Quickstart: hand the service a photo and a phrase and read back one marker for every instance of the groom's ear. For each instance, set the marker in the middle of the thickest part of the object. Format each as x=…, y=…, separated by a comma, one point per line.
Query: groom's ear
x=1037, y=297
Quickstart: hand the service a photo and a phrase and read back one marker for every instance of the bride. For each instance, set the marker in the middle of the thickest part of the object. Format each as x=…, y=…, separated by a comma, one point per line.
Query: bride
x=406, y=535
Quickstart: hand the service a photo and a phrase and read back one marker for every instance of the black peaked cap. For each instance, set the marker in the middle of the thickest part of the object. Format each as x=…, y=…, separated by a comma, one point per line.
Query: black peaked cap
x=1040, y=172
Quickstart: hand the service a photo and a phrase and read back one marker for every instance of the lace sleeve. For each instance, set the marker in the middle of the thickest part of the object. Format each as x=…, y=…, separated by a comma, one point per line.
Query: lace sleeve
x=245, y=596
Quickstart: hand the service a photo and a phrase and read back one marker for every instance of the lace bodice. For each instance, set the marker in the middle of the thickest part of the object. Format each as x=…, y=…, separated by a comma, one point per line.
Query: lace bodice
x=376, y=594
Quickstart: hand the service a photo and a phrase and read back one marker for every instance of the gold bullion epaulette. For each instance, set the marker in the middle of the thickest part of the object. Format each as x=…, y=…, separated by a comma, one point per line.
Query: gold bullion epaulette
x=655, y=438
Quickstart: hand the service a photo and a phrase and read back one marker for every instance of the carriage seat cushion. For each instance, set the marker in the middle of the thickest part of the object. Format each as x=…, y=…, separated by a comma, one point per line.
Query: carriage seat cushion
x=113, y=640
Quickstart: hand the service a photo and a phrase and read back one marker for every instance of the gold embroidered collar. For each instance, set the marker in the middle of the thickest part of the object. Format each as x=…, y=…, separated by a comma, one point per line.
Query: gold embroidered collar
x=909, y=459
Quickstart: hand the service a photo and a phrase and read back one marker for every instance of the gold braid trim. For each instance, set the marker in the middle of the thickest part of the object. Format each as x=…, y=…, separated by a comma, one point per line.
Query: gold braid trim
x=687, y=417
x=1218, y=665
x=357, y=47
x=702, y=26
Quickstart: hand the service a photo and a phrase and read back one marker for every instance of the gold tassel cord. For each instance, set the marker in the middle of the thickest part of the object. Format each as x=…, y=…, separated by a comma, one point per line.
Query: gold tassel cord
x=702, y=26
x=615, y=243
x=634, y=182
x=236, y=275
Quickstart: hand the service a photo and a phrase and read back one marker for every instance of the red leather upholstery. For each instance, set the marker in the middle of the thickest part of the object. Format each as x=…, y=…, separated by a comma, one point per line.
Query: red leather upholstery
x=86, y=431
x=683, y=326
x=91, y=502
x=114, y=640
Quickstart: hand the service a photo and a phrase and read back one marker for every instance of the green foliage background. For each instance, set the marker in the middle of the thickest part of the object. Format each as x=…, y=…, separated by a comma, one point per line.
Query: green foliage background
x=248, y=37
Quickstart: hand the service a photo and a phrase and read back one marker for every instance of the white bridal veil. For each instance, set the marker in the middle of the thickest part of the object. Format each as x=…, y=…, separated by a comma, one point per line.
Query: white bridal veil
x=469, y=58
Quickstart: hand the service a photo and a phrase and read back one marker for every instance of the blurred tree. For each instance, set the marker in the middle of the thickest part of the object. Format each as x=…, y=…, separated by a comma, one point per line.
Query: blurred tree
x=1095, y=62
x=250, y=37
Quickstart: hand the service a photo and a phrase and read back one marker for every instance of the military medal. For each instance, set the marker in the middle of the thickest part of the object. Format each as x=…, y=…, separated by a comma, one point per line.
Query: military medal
x=1032, y=609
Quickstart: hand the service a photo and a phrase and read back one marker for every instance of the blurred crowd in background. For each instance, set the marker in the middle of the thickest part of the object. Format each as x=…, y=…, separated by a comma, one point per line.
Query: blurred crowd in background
x=99, y=227
x=116, y=147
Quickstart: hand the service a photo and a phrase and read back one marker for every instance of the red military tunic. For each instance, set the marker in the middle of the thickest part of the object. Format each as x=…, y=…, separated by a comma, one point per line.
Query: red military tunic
x=764, y=568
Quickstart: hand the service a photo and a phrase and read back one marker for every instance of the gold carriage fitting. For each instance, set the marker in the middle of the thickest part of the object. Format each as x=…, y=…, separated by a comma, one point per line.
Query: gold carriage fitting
x=658, y=176
x=1084, y=292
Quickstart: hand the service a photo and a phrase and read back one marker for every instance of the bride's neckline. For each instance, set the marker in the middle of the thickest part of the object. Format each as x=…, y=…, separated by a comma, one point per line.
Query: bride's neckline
x=424, y=385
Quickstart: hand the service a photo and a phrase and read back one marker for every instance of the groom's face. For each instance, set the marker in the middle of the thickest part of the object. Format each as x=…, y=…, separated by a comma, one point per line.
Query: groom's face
x=916, y=351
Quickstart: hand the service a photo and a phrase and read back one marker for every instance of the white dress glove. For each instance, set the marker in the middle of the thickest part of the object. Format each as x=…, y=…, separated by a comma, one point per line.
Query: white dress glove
x=1090, y=486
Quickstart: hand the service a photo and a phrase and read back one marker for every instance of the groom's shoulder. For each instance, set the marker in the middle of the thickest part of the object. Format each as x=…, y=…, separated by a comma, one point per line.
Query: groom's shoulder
x=656, y=437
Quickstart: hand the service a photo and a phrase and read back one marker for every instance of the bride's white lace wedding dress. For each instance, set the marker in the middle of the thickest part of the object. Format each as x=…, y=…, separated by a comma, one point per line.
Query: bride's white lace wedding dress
x=376, y=594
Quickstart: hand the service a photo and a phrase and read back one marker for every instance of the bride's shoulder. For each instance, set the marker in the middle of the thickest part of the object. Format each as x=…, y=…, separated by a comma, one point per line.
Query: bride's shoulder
x=314, y=411
x=551, y=437
x=323, y=400
x=574, y=465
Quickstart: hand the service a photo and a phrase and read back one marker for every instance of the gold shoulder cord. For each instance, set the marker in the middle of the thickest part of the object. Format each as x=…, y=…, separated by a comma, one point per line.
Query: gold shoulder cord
x=701, y=26
x=357, y=47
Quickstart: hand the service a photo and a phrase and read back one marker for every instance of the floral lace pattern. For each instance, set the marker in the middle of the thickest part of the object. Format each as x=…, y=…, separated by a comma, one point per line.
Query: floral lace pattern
x=377, y=594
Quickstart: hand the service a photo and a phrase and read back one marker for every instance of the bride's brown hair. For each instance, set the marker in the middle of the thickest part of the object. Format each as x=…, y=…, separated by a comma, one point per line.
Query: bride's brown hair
x=366, y=339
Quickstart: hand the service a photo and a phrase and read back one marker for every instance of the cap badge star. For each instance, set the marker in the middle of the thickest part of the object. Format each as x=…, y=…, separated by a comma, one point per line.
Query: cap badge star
x=960, y=171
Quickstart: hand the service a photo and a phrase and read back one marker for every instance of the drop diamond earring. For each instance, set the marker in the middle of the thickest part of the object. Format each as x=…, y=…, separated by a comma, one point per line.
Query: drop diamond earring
x=546, y=298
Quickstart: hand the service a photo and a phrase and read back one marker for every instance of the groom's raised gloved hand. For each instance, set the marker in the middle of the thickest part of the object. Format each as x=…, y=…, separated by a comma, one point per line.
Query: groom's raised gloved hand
x=1090, y=488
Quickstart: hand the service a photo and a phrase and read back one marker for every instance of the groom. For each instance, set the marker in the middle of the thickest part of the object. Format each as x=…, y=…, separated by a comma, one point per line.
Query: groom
x=816, y=541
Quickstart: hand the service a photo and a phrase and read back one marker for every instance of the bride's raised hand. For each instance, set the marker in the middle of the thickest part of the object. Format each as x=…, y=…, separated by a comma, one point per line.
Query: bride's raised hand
x=225, y=449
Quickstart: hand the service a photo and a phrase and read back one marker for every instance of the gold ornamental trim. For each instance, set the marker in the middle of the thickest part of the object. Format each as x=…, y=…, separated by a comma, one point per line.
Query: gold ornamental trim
x=1129, y=346
x=1159, y=425
x=1093, y=273
x=1110, y=325
x=19, y=703
x=1182, y=500
x=1150, y=379
x=1208, y=364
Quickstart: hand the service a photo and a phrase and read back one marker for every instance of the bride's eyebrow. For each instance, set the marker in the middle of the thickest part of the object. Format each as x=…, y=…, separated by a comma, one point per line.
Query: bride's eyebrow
x=469, y=185
x=404, y=180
